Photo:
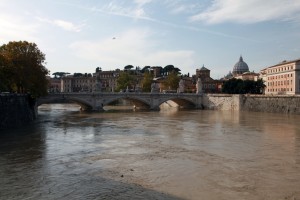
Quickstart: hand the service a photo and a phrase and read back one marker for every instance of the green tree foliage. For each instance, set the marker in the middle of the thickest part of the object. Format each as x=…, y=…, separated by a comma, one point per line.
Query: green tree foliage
x=125, y=80
x=22, y=68
x=167, y=69
x=172, y=81
x=60, y=74
x=128, y=67
x=98, y=69
x=77, y=75
x=147, y=81
x=238, y=86
x=146, y=68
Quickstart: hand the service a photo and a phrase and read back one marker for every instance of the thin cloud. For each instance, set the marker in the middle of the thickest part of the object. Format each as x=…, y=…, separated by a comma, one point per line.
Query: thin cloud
x=141, y=3
x=119, y=9
x=68, y=26
x=182, y=6
x=65, y=25
x=134, y=47
x=250, y=11
x=15, y=28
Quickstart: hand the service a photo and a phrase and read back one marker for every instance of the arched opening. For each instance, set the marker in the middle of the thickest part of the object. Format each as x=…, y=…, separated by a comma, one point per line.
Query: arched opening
x=82, y=105
x=126, y=104
x=177, y=104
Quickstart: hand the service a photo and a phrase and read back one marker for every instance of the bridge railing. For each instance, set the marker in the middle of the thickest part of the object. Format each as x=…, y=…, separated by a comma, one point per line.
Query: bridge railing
x=123, y=93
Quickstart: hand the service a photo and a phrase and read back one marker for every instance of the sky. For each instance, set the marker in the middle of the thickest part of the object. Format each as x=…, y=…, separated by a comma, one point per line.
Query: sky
x=81, y=35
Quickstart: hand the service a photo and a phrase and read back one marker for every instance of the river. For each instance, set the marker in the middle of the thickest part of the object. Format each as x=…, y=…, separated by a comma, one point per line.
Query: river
x=191, y=154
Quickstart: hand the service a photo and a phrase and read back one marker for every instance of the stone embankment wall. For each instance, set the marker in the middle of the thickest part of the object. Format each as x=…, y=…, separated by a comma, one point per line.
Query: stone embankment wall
x=221, y=102
x=255, y=103
x=16, y=110
x=268, y=103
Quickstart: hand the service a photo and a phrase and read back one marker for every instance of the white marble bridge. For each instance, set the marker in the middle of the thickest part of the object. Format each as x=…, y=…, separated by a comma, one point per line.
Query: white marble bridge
x=150, y=101
x=96, y=101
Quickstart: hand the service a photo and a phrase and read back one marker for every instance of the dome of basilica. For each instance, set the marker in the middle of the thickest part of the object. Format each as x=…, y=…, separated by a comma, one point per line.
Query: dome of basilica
x=240, y=67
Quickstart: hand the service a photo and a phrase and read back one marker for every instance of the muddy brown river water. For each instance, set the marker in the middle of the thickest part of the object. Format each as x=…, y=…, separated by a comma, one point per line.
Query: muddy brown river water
x=195, y=154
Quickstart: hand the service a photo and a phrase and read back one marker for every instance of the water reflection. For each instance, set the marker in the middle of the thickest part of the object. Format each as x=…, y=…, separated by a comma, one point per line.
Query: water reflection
x=192, y=154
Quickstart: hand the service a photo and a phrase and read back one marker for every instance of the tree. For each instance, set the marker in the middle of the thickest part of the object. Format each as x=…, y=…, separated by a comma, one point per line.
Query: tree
x=23, y=68
x=98, y=69
x=147, y=81
x=124, y=80
x=167, y=69
x=60, y=74
x=238, y=86
x=78, y=75
x=146, y=68
x=128, y=67
x=172, y=81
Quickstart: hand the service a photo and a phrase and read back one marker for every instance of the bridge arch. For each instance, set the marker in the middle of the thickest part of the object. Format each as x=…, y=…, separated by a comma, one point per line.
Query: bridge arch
x=85, y=105
x=138, y=103
x=182, y=102
x=152, y=101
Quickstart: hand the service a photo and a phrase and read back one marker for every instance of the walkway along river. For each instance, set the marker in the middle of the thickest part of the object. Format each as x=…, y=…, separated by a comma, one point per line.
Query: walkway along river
x=198, y=154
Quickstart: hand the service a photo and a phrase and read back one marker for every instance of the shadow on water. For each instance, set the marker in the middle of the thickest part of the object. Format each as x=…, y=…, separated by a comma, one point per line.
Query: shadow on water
x=28, y=143
x=91, y=187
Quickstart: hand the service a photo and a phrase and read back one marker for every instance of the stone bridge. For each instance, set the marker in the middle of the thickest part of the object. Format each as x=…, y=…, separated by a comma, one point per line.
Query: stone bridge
x=150, y=101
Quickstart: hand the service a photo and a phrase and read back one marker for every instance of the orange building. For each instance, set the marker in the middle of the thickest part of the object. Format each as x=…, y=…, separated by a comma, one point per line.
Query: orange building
x=283, y=78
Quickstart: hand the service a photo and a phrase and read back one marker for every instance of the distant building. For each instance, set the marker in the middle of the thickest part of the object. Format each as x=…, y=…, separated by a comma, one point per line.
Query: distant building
x=73, y=83
x=283, y=78
x=209, y=85
x=189, y=84
x=240, y=67
x=241, y=71
x=106, y=80
x=252, y=76
x=157, y=71
x=54, y=84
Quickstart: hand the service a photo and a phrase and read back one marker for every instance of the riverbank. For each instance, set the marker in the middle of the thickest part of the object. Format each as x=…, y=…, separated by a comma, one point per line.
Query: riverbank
x=288, y=104
x=271, y=103
x=16, y=110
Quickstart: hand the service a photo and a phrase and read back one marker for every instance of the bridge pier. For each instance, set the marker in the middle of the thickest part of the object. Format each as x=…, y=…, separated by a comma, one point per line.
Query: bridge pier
x=155, y=108
x=98, y=108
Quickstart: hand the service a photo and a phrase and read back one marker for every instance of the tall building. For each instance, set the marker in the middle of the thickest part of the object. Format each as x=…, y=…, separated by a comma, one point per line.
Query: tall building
x=209, y=85
x=54, y=84
x=240, y=67
x=107, y=80
x=78, y=84
x=241, y=71
x=283, y=78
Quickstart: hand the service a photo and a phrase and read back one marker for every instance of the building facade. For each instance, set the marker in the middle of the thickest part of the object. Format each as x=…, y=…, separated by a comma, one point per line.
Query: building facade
x=79, y=84
x=240, y=67
x=283, y=78
x=209, y=85
x=54, y=84
x=107, y=80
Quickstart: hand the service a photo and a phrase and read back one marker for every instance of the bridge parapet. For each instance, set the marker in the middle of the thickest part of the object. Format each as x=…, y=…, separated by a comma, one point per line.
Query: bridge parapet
x=97, y=100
